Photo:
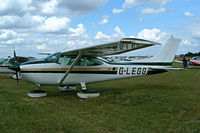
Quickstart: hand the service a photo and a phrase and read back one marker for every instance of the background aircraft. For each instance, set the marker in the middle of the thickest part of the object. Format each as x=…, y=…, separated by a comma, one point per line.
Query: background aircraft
x=195, y=60
x=6, y=63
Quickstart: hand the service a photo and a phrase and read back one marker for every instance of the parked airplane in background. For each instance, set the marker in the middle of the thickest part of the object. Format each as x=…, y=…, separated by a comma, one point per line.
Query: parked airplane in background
x=195, y=60
x=69, y=68
x=2, y=61
x=6, y=63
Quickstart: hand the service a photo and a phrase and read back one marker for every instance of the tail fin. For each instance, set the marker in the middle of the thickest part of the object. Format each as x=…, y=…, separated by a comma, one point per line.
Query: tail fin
x=168, y=52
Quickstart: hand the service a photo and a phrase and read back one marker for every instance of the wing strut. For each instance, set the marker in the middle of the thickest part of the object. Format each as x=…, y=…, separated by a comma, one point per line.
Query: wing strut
x=70, y=68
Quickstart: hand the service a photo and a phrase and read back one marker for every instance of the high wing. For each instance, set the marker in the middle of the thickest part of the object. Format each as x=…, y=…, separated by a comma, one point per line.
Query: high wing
x=122, y=46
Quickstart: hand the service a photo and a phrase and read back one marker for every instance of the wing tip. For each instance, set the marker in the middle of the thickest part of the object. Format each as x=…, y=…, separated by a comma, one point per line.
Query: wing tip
x=138, y=40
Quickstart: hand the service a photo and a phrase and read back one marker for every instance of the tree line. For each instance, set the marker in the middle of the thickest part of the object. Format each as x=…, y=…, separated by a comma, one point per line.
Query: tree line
x=190, y=54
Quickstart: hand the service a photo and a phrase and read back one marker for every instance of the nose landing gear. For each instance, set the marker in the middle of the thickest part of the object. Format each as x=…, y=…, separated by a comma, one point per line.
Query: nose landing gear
x=37, y=93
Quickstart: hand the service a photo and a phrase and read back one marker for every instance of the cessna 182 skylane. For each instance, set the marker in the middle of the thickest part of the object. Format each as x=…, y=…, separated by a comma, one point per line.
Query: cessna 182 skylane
x=81, y=66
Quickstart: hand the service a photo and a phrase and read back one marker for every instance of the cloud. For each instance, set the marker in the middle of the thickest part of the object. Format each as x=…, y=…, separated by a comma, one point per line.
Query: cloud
x=14, y=7
x=45, y=24
x=83, y=42
x=188, y=43
x=131, y=36
x=55, y=24
x=116, y=11
x=16, y=22
x=70, y=43
x=131, y=3
x=100, y=35
x=49, y=7
x=10, y=37
x=189, y=14
x=38, y=18
x=78, y=31
x=141, y=19
x=152, y=10
x=41, y=47
x=7, y=34
x=13, y=41
x=119, y=33
x=115, y=36
x=192, y=30
x=77, y=43
x=196, y=34
x=80, y=6
x=157, y=4
x=152, y=34
x=104, y=20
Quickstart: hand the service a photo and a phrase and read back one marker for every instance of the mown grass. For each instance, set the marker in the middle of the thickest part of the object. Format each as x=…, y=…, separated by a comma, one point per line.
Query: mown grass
x=168, y=102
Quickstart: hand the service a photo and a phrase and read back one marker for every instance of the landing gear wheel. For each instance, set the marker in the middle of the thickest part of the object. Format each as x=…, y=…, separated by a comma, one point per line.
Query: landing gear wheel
x=84, y=93
x=88, y=93
x=37, y=93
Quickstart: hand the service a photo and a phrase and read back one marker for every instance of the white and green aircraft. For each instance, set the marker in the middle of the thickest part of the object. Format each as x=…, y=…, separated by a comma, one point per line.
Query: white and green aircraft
x=5, y=64
x=81, y=66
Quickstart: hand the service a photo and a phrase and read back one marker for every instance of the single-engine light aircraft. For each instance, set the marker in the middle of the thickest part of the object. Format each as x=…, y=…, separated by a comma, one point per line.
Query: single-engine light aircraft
x=80, y=66
x=5, y=64
x=195, y=61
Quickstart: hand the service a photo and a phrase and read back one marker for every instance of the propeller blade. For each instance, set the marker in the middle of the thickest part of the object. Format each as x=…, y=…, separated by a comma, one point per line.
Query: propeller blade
x=16, y=67
x=17, y=78
x=15, y=57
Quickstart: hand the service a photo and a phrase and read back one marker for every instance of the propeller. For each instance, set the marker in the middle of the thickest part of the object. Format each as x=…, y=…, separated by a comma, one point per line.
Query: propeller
x=15, y=67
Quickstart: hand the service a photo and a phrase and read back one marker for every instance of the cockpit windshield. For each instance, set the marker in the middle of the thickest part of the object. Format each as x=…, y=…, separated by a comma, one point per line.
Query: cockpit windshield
x=53, y=58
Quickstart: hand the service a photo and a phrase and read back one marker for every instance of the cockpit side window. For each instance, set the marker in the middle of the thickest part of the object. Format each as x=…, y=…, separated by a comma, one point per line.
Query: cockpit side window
x=67, y=60
x=93, y=62
x=81, y=62
x=60, y=60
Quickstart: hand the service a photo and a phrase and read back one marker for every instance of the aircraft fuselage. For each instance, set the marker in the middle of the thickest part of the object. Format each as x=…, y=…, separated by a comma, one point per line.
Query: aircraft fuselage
x=51, y=73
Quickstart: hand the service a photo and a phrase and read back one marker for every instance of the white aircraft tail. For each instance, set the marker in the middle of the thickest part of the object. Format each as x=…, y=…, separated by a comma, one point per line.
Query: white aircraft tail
x=168, y=52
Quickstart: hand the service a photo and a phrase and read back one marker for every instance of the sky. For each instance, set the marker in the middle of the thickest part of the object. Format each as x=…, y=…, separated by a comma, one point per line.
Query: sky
x=33, y=26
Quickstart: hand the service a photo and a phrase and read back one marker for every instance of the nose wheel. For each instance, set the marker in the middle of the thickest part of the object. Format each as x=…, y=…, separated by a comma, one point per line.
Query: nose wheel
x=37, y=93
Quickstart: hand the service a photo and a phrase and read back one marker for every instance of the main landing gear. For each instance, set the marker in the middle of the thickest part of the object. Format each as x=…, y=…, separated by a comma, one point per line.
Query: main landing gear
x=37, y=93
x=84, y=93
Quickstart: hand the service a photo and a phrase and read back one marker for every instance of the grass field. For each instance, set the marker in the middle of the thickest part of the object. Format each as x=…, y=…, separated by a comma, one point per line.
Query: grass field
x=168, y=102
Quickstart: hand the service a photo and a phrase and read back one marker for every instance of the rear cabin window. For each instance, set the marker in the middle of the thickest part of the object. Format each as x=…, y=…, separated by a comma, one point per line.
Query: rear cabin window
x=93, y=62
